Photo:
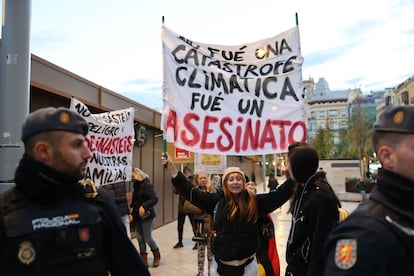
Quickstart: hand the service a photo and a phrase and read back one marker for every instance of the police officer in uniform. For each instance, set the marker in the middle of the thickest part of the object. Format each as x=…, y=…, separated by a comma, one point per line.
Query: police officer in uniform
x=378, y=237
x=50, y=224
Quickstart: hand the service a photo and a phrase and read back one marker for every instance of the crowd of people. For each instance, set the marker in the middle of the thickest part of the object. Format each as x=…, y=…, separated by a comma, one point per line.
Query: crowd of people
x=51, y=223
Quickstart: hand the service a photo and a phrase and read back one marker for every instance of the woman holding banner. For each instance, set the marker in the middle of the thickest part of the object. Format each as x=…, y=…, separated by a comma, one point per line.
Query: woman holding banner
x=235, y=211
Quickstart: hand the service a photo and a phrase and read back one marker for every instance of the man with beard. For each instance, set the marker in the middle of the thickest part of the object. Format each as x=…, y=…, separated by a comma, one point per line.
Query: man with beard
x=50, y=224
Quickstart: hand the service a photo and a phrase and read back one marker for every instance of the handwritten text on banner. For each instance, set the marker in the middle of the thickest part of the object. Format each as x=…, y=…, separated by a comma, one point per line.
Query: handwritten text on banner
x=111, y=141
x=233, y=100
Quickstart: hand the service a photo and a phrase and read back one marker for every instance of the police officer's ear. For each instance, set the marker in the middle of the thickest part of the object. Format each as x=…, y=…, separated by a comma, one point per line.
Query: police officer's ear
x=386, y=155
x=43, y=151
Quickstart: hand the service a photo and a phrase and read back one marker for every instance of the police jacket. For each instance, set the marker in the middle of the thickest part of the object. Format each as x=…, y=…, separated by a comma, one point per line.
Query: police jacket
x=314, y=216
x=377, y=238
x=233, y=240
x=144, y=195
x=48, y=226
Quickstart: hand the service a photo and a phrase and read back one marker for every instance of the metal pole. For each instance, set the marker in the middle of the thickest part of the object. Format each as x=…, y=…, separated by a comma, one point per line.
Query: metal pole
x=14, y=84
x=264, y=172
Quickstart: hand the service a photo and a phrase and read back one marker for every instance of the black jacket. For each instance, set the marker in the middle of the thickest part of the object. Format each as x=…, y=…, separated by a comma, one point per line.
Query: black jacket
x=49, y=227
x=144, y=195
x=380, y=247
x=118, y=193
x=314, y=217
x=234, y=240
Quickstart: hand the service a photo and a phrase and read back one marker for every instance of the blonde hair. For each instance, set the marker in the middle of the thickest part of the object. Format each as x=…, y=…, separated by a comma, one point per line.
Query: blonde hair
x=209, y=186
x=139, y=175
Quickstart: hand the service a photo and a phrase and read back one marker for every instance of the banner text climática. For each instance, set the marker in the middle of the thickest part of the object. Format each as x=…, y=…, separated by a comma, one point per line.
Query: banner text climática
x=240, y=100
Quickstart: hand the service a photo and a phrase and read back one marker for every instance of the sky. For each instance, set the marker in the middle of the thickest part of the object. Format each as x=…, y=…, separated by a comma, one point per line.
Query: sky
x=117, y=44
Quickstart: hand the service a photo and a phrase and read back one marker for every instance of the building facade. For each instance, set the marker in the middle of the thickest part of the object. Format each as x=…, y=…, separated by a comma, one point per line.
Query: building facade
x=404, y=93
x=325, y=108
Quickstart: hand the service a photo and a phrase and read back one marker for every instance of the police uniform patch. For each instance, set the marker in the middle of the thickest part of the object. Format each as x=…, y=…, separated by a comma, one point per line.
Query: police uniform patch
x=345, y=253
x=84, y=234
x=27, y=253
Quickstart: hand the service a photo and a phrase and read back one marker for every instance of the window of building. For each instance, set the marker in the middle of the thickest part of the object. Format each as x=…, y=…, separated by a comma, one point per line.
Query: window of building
x=312, y=115
x=333, y=113
x=322, y=125
x=388, y=101
x=322, y=114
x=311, y=125
x=404, y=98
x=344, y=125
x=334, y=125
x=343, y=113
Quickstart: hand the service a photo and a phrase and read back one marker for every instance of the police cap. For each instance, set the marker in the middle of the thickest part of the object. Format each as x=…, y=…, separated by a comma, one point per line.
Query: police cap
x=396, y=119
x=50, y=119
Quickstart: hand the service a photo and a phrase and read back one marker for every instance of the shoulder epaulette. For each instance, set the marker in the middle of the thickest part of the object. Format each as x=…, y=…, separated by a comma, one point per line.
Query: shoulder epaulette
x=89, y=188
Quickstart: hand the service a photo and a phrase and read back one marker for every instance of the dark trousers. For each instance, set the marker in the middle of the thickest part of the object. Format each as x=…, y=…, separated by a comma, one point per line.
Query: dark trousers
x=180, y=224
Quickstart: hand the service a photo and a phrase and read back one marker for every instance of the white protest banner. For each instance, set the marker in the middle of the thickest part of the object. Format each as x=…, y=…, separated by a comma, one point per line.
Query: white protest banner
x=111, y=141
x=233, y=100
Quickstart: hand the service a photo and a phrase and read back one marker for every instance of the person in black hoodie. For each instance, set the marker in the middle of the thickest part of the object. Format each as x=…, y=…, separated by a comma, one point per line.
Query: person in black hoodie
x=314, y=209
x=144, y=199
x=50, y=224
x=235, y=212
x=378, y=237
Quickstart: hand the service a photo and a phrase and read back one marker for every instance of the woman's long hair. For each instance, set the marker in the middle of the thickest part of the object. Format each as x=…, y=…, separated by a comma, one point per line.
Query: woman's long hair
x=242, y=206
